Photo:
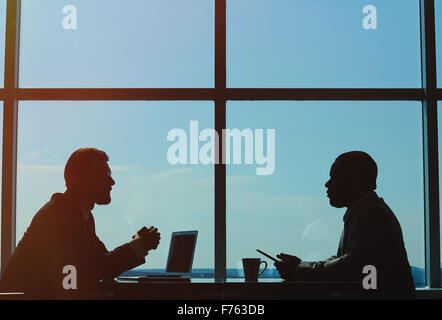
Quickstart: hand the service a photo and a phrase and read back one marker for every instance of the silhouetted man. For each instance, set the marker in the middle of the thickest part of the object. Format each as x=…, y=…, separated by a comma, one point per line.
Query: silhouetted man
x=62, y=233
x=372, y=234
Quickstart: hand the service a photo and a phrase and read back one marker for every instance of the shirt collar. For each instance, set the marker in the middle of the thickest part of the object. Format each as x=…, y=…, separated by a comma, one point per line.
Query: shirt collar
x=84, y=212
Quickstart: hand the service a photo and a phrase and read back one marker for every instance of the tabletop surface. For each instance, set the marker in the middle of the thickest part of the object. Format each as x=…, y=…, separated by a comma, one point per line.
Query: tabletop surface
x=205, y=280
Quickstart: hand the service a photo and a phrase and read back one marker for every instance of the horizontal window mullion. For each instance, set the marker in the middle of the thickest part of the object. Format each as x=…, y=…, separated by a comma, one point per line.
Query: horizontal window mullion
x=212, y=94
x=115, y=94
x=325, y=94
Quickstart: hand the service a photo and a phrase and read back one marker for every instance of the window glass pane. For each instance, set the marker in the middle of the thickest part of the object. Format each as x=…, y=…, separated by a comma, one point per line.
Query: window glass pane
x=140, y=43
x=288, y=211
x=439, y=115
x=323, y=43
x=148, y=190
x=2, y=40
x=438, y=14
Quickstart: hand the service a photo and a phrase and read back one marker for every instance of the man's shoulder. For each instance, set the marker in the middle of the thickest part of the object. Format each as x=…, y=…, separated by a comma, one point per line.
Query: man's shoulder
x=51, y=217
x=376, y=212
x=59, y=207
x=377, y=205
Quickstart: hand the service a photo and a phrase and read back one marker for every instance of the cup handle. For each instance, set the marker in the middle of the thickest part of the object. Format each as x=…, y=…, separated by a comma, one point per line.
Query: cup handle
x=265, y=267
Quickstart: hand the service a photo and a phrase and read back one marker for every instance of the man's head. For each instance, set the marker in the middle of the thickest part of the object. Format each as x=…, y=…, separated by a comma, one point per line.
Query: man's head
x=351, y=175
x=88, y=173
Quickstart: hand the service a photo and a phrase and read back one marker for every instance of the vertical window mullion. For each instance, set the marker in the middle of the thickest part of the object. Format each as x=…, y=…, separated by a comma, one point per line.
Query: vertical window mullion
x=430, y=145
x=10, y=115
x=220, y=124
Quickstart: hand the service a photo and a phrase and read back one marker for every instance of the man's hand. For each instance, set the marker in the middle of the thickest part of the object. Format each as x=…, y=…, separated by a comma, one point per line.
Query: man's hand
x=287, y=266
x=148, y=238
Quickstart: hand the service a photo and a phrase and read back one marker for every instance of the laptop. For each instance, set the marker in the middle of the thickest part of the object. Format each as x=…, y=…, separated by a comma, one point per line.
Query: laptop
x=179, y=261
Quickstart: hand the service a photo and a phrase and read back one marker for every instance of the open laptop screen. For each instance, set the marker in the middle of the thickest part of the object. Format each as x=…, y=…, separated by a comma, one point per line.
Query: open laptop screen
x=181, y=252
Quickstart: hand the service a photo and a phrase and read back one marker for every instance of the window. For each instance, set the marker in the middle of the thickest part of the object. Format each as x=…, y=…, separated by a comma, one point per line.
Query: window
x=148, y=190
x=347, y=66
x=292, y=202
x=271, y=48
x=156, y=44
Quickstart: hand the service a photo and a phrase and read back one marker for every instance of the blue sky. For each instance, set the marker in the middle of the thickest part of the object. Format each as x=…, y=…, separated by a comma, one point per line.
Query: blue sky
x=281, y=43
x=321, y=43
x=166, y=43
x=148, y=190
x=290, y=207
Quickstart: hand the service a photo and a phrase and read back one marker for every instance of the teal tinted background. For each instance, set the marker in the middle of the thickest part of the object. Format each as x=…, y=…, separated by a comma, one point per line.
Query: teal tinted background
x=289, y=211
x=321, y=43
x=148, y=190
x=137, y=43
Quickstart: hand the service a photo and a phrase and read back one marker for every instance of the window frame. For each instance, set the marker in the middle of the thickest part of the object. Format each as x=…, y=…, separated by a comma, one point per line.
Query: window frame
x=220, y=94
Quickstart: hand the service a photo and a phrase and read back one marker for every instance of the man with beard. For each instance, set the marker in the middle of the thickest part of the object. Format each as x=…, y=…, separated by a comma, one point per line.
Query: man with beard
x=62, y=233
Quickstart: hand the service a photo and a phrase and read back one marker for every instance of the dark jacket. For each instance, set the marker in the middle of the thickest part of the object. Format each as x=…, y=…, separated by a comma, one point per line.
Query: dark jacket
x=372, y=236
x=60, y=234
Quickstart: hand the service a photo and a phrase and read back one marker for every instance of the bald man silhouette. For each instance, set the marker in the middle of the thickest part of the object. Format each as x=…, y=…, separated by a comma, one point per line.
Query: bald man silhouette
x=372, y=235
